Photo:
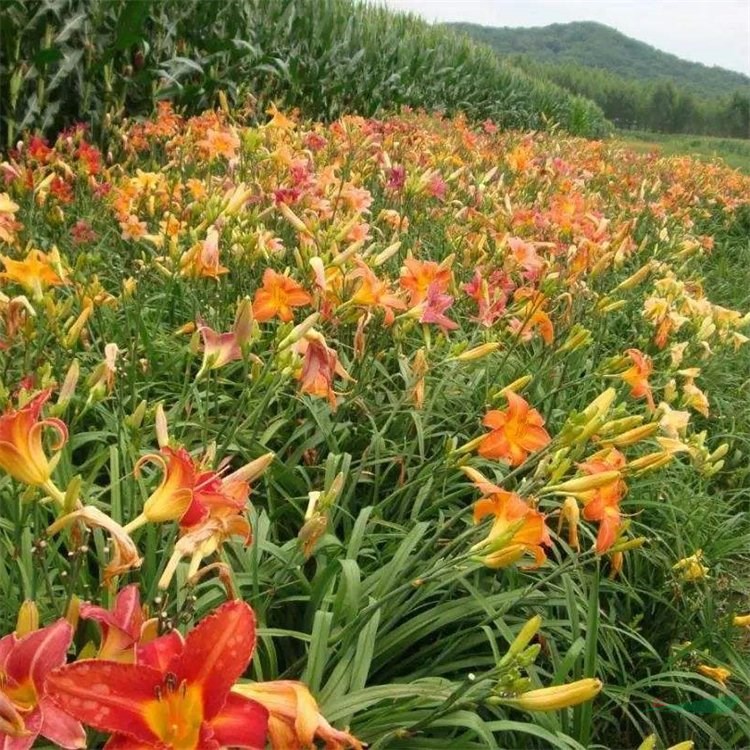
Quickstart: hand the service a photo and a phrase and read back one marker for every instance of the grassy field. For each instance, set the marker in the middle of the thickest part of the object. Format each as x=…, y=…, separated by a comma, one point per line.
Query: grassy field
x=733, y=151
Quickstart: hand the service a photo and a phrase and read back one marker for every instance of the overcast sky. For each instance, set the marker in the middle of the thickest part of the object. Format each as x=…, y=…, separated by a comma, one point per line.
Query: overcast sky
x=714, y=32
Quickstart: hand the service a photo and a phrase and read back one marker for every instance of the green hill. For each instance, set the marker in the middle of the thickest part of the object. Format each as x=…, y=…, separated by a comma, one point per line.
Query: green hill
x=597, y=46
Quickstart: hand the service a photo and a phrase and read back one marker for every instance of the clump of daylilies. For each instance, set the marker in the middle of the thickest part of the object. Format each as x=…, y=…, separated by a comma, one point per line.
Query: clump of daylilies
x=150, y=689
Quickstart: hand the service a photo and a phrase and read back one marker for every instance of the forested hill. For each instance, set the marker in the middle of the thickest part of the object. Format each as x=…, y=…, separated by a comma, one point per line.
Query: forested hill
x=598, y=46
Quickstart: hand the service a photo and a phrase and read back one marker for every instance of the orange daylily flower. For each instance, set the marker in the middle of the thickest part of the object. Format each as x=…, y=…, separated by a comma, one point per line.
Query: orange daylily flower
x=417, y=276
x=21, y=451
x=539, y=321
x=603, y=503
x=516, y=432
x=320, y=364
x=373, y=292
x=220, y=143
x=35, y=272
x=177, y=695
x=294, y=721
x=516, y=530
x=637, y=376
x=175, y=493
x=278, y=295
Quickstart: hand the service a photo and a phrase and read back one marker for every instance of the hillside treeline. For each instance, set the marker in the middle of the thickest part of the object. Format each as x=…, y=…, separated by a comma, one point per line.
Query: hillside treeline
x=655, y=105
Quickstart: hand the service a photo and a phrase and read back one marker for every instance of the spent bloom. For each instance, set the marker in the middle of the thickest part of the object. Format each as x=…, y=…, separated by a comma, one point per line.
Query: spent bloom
x=294, y=720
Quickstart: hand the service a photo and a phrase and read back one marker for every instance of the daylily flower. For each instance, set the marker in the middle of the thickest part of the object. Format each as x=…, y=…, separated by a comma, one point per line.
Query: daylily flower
x=691, y=568
x=278, y=295
x=433, y=307
x=517, y=529
x=124, y=554
x=21, y=451
x=373, y=292
x=417, y=276
x=121, y=627
x=26, y=710
x=516, y=432
x=202, y=260
x=319, y=366
x=603, y=503
x=741, y=621
x=35, y=273
x=637, y=376
x=175, y=493
x=216, y=495
x=525, y=255
x=202, y=540
x=294, y=720
x=221, y=348
x=720, y=674
x=539, y=321
x=177, y=696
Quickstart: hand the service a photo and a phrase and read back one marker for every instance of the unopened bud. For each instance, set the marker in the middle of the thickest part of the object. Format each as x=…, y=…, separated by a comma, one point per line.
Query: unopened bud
x=28, y=619
x=584, y=484
x=635, y=435
x=559, y=696
x=477, y=352
x=649, y=462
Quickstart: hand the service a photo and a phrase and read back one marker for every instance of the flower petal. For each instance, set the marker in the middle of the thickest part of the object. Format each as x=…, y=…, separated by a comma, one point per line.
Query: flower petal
x=241, y=723
x=108, y=696
x=39, y=652
x=217, y=651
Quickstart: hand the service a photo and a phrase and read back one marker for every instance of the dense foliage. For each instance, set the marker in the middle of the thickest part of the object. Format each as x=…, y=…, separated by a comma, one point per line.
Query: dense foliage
x=595, y=45
x=64, y=61
x=636, y=85
x=489, y=388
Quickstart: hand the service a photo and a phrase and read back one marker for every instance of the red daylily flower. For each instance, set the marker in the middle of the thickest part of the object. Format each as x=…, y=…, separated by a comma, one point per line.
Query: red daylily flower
x=121, y=627
x=516, y=432
x=433, y=307
x=26, y=710
x=177, y=696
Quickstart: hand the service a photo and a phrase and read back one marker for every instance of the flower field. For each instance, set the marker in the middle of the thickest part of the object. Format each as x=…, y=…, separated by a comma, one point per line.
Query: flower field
x=397, y=433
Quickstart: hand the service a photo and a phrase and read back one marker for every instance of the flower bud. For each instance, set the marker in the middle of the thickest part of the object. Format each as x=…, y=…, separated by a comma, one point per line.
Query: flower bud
x=516, y=386
x=477, y=352
x=629, y=437
x=521, y=641
x=586, y=483
x=28, y=619
x=649, y=462
x=558, y=696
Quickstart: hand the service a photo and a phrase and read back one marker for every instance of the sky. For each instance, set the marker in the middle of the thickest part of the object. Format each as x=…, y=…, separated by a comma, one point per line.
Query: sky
x=713, y=32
